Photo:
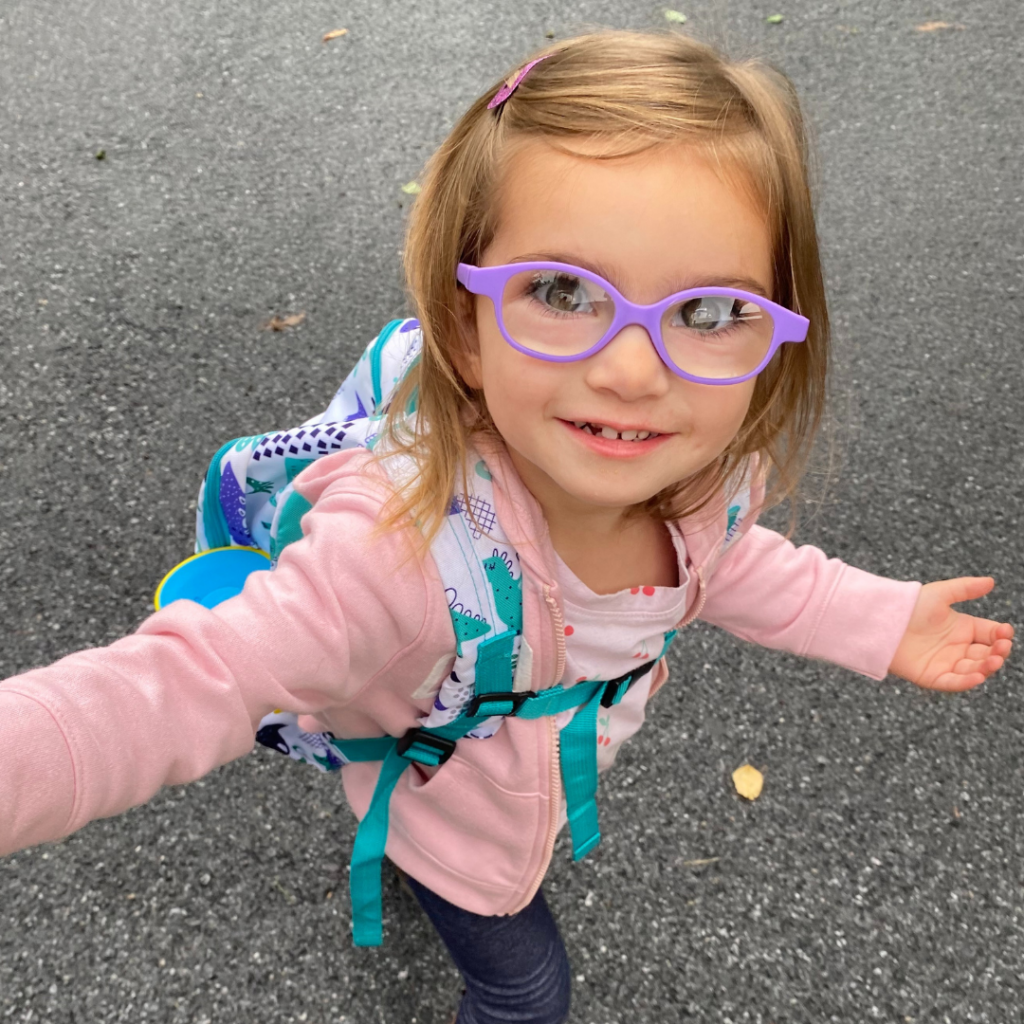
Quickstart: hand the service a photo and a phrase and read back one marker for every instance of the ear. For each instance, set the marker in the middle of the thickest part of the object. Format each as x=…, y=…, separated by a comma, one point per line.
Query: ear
x=466, y=353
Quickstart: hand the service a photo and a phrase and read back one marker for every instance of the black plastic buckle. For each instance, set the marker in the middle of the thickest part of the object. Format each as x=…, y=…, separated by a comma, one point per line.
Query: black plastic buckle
x=515, y=698
x=444, y=747
x=611, y=688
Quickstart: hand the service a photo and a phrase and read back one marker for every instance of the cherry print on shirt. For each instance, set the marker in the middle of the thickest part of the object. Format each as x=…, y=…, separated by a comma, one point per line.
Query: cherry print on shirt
x=604, y=723
x=569, y=631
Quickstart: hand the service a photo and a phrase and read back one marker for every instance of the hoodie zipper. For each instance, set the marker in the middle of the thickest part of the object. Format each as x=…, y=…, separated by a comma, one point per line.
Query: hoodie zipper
x=555, y=804
x=555, y=762
x=698, y=605
x=559, y=623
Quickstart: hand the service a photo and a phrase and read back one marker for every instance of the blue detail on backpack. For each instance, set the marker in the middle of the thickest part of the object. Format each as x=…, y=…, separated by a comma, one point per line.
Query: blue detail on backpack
x=508, y=592
x=232, y=501
x=734, y=511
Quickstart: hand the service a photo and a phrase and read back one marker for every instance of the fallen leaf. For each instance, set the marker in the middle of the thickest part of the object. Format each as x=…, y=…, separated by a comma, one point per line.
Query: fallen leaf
x=412, y=188
x=937, y=26
x=284, y=892
x=748, y=781
x=775, y=19
x=336, y=34
x=281, y=323
x=676, y=17
x=101, y=154
x=701, y=863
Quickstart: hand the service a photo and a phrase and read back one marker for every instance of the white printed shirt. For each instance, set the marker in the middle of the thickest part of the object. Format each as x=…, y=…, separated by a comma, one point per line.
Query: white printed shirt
x=606, y=635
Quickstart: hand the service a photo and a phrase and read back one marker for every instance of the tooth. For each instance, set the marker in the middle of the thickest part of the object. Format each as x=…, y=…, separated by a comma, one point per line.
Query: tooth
x=642, y=435
x=629, y=435
x=588, y=428
x=579, y=424
x=609, y=433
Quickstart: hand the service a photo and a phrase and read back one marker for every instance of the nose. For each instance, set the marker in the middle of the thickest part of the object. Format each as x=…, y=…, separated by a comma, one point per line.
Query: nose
x=629, y=366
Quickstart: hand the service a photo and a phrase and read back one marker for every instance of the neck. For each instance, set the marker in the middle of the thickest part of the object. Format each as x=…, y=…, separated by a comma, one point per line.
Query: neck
x=605, y=547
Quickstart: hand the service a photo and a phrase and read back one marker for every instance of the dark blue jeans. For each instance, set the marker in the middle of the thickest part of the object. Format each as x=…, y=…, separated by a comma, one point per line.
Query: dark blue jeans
x=515, y=968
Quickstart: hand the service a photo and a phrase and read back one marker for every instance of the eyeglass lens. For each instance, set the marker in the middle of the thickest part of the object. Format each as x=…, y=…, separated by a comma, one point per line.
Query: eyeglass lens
x=552, y=312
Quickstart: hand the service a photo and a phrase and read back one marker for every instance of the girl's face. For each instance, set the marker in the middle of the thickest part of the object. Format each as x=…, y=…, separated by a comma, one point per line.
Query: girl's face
x=651, y=224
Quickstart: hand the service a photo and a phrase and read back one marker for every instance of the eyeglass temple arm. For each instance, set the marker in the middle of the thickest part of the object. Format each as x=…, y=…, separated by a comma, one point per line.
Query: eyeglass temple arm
x=464, y=275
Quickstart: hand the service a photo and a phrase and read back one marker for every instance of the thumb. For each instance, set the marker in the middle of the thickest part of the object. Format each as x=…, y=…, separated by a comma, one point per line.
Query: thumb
x=964, y=588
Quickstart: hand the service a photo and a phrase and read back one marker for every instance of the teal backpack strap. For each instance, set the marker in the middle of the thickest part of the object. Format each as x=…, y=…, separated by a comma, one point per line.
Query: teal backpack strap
x=430, y=747
x=578, y=755
x=368, y=850
x=578, y=752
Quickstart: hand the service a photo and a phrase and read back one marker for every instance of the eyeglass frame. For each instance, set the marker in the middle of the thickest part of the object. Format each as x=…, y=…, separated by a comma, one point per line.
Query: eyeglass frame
x=787, y=326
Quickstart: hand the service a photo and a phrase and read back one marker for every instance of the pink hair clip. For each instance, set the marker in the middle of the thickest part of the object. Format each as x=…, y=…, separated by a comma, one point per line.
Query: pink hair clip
x=512, y=83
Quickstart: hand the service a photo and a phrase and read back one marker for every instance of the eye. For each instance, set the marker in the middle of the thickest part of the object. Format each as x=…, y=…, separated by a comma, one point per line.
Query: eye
x=562, y=293
x=710, y=313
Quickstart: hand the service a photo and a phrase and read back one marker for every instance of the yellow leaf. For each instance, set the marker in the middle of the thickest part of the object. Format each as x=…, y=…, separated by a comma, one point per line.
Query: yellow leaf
x=281, y=323
x=676, y=17
x=936, y=26
x=336, y=34
x=748, y=781
x=412, y=188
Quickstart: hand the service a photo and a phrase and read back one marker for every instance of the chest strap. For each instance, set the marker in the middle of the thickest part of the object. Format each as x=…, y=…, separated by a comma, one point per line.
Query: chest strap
x=432, y=747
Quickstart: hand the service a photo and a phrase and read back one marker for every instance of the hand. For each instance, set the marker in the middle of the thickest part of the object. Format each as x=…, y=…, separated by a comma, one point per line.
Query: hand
x=943, y=649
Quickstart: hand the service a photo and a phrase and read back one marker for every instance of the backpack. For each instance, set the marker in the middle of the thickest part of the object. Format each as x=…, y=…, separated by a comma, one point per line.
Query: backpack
x=248, y=511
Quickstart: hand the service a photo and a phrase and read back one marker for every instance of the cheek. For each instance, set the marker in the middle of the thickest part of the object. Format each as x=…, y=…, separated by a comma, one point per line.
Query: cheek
x=503, y=380
x=720, y=412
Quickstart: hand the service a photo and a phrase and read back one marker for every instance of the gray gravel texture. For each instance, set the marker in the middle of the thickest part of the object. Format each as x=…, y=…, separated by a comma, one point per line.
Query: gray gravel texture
x=252, y=170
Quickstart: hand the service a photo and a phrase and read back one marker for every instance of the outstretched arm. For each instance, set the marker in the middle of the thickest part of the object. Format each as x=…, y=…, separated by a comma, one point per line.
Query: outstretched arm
x=943, y=649
x=102, y=730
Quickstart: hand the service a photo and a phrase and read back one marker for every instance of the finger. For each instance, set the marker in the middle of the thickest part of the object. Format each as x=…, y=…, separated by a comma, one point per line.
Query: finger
x=988, y=631
x=983, y=650
x=1002, y=648
x=986, y=666
x=953, y=682
x=965, y=588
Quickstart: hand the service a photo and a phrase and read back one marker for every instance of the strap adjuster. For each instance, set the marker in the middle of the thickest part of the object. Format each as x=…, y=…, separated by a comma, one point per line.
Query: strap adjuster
x=615, y=689
x=516, y=698
x=444, y=747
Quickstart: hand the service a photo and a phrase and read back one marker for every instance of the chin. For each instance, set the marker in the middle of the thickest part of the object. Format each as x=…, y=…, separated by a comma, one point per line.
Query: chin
x=611, y=499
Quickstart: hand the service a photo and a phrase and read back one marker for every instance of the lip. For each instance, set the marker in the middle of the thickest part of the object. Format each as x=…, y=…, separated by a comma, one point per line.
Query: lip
x=616, y=448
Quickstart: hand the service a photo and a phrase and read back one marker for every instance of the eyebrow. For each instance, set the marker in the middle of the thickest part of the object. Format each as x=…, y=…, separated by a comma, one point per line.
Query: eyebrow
x=746, y=284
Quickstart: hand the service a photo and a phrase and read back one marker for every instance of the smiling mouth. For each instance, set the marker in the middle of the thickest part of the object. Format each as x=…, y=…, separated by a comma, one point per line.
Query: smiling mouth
x=611, y=434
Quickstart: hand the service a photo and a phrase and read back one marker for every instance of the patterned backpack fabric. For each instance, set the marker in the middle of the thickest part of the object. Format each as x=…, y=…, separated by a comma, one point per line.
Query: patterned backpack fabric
x=247, y=500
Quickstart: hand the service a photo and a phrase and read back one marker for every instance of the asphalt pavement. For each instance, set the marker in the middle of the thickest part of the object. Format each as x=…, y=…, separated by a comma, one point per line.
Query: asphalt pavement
x=250, y=170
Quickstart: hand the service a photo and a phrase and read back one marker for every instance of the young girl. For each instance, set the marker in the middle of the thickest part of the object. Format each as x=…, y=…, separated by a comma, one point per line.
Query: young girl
x=624, y=334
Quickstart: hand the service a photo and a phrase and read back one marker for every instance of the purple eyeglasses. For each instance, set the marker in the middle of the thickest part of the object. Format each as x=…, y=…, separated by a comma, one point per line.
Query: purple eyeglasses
x=561, y=313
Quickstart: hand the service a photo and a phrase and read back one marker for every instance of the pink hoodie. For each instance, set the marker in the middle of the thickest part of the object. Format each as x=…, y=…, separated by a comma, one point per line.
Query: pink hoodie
x=353, y=627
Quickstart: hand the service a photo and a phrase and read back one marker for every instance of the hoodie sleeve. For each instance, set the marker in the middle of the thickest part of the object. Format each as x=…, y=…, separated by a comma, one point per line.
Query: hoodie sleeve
x=102, y=730
x=797, y=599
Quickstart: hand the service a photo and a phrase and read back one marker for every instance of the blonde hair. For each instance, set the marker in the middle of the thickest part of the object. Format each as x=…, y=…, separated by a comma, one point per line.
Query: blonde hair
x=625, y=92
